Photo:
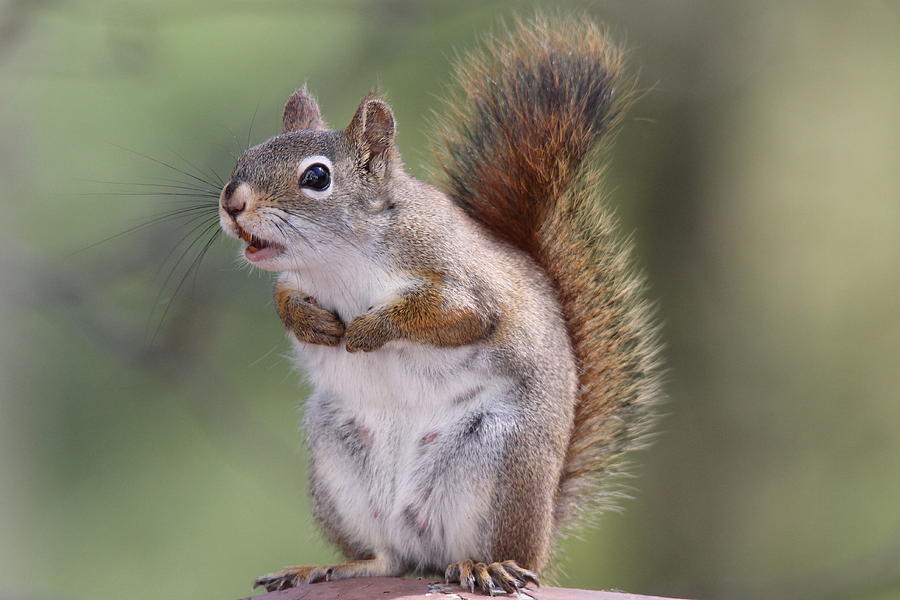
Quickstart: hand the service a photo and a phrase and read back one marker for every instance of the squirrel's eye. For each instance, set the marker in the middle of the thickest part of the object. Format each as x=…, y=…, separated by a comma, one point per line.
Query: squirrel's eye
x=316, y=177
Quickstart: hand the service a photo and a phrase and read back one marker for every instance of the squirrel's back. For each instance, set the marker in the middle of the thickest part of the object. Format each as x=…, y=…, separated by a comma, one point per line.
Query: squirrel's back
x=521, y=152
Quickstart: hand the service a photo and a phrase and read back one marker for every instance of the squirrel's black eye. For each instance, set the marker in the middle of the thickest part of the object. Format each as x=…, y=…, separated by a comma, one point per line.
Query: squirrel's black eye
x=316, y=177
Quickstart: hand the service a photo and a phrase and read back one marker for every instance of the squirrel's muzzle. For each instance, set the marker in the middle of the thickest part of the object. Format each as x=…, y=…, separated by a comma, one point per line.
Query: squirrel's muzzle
x=235, y=198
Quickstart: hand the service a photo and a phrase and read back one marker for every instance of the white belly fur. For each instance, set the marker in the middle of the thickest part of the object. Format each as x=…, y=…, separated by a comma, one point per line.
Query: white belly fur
x=400, y=395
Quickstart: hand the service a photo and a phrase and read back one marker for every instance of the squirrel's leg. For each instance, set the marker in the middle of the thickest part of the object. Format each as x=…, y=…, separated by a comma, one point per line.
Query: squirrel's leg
x=521, y=540
x=303, y=317
x=294, y=576
x=431, y=313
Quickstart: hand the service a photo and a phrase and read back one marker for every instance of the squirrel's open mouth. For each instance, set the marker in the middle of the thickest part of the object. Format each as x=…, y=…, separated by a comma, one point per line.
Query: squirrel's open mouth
x=257, y=248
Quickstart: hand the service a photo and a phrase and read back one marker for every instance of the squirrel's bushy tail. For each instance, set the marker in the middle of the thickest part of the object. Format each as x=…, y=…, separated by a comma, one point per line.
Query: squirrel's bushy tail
x=521, y=152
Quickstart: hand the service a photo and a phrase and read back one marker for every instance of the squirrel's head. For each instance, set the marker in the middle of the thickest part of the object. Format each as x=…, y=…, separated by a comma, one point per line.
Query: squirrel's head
x=311, y=191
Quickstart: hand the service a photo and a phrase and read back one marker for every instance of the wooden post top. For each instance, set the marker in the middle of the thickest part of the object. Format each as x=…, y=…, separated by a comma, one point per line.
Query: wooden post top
x=395, y=588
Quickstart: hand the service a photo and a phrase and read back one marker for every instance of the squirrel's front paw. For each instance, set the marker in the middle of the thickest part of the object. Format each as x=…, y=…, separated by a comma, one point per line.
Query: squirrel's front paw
x=367, y=332
x=491, y=578
x=302, y=316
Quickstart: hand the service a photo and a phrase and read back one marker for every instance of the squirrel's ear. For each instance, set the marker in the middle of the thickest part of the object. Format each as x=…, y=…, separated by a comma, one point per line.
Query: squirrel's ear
x=302, y=112
x=372, y=129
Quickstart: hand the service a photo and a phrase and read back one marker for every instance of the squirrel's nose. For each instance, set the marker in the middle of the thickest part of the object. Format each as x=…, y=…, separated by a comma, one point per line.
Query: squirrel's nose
x=233, y=199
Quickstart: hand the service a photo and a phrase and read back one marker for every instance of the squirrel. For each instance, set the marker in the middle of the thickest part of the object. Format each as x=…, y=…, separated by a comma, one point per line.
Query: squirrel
x=480, y=352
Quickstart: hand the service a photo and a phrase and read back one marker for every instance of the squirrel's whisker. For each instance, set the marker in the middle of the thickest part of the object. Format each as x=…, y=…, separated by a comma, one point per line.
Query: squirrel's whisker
x=252, y=120
x=169, y=166
x=194, y=227
x=180, y=186
x=148, y=223
x=212, y=226
x=207, y=197
x=208, y=171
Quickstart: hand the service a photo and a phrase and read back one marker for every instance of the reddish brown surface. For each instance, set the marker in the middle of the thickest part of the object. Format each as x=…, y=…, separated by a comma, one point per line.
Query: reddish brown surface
x=387, y=588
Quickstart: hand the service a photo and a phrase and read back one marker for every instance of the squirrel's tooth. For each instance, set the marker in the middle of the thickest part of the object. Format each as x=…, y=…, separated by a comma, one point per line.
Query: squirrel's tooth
x=251, y=249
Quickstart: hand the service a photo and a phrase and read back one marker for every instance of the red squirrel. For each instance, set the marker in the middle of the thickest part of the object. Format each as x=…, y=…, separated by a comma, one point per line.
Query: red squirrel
x=481, y=352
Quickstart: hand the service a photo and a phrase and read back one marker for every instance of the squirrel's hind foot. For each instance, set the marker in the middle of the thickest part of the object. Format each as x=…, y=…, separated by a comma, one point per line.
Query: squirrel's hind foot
x=294, y=576
x=491, y=579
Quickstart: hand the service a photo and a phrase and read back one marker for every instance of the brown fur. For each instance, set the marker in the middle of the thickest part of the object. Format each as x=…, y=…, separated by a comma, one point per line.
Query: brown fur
x=307, y=322
x=419, y=316
x=519, y=152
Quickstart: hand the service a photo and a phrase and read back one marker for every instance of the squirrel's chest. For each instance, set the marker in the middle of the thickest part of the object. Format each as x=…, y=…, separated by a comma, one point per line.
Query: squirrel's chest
x=399, y=376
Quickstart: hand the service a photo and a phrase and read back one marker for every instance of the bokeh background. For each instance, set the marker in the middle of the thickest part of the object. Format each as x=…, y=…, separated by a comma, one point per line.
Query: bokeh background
x=148, y=444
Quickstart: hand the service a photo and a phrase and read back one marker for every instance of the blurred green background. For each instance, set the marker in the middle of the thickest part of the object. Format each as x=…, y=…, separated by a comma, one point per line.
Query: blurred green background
x=149, y=457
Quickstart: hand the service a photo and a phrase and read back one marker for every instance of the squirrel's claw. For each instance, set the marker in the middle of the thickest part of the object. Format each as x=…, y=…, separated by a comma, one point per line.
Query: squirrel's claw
x=504, y=579
x=490, y=579
x=484, y=578
x=521, y=574
x=276, y=581
x=292, y=577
